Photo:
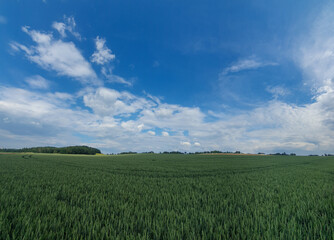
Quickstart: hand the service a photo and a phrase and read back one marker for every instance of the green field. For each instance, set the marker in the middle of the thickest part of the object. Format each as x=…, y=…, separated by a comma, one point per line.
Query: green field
x=166, y=197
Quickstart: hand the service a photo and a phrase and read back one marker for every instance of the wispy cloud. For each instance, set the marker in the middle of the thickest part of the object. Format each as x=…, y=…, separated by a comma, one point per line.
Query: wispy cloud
x=315, y=53
x=3, y=19
x=102, y=54
x=246, y=64
x=57, y=55
x=68, y=25
x=38, y=82
x=112, y=78
x=278, y=91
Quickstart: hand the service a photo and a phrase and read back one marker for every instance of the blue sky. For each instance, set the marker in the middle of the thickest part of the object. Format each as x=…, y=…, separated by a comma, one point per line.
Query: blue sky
x=254, y=76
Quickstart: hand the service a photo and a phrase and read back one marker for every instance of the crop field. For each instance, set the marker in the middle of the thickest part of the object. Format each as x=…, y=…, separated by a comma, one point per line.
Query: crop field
x=167, y=196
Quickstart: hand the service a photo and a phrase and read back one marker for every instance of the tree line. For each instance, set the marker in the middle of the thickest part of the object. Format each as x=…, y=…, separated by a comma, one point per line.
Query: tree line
x=62, y=150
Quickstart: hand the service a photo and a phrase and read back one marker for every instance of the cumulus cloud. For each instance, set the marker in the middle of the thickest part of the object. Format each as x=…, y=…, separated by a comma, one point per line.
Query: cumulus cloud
x=38, y=82
x=68, y=25
x=105, y=101
x=57, y=55
x=140, y=127
x=182, y=117
x=20, y=104
x=246, y=64
x=187, y=144
x=39, y=118
x=151, y=133
x=275, y=127
x=102, y=54
x=165, y=134
x=48, y=114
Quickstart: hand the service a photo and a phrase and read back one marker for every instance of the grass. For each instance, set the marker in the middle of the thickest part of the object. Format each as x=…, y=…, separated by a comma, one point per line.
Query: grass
x=166, y=197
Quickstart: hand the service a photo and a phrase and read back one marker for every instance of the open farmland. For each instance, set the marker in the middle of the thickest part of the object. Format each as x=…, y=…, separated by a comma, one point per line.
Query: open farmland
x=150, y=196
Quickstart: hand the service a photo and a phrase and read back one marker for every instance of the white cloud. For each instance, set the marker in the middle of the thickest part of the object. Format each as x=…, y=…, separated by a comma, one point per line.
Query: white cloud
x=60, y=27
x=278, y=91
x=246, y=64
x=107, y=72
x=68, y=25
x=38, y=82
x=151, y=133
x=120, y=121
x=315, y=53
x=3, y=20
x=57, y=55
x=153, y=98
x=174, y=117
x=102, y=54
x=140, y=127
x=106, y=101
x=275, y=127
x=187, y=144
x=19, y=47
x=118, y=79
x=165, y=134
x=48, y=114
x=21, y=104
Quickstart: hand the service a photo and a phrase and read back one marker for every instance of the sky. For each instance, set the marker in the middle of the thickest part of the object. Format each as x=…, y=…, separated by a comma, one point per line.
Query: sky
x=249, y=76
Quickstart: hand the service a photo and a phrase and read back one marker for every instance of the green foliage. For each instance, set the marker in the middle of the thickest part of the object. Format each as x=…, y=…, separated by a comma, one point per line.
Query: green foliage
x=166, y=196
x=128, y=152
x=63, y=150
x=215, y=151
x=172, y=152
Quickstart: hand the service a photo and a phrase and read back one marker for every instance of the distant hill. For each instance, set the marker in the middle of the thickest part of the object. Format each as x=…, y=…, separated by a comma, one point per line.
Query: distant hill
x=62, y=150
